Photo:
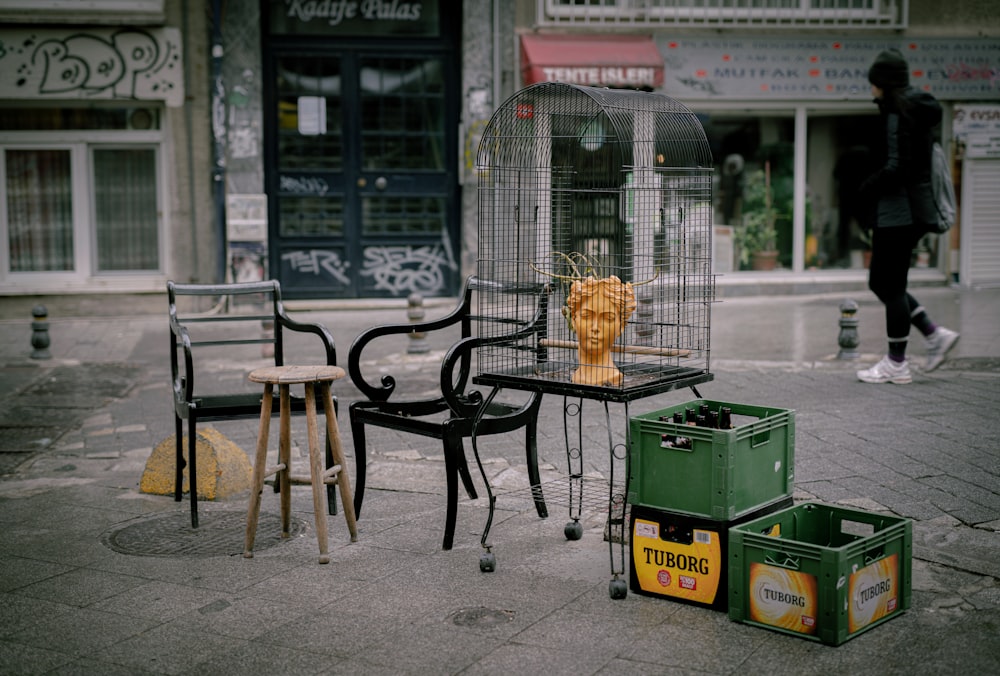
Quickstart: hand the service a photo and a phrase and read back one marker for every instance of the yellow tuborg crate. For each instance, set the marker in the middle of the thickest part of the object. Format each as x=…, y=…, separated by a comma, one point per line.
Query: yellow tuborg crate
x=725, y=474
x=821, y=572
x=684, y=558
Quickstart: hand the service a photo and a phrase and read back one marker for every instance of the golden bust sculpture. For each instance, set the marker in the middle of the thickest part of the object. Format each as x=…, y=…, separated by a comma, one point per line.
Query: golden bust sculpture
x=599, y=308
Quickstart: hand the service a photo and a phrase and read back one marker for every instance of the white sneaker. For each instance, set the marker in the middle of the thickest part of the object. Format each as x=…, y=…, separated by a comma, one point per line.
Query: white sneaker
x=887, y=371
x=938, y=345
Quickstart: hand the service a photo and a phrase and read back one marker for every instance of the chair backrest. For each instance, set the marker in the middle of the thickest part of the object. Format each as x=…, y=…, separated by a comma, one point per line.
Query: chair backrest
x=221, y=319
x=237, y=314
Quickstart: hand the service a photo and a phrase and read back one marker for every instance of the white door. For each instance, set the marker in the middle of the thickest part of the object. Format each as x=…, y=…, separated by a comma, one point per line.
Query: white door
x=980, y=223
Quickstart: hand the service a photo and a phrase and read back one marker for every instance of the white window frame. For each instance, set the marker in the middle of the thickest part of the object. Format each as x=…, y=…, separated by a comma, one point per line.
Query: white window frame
x=769, y=14
x=84, y=277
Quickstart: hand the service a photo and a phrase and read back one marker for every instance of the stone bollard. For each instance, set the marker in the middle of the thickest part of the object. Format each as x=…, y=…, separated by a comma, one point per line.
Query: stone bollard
x=848, y=338
x=40, y=333
x=415, y=313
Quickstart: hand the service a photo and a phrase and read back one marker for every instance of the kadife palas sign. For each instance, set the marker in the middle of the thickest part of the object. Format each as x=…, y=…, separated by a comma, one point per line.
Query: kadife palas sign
x=336, y=11
x=354, y=17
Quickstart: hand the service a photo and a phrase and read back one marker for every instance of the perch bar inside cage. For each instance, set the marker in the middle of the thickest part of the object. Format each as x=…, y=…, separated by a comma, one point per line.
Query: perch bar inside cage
x=625, y=349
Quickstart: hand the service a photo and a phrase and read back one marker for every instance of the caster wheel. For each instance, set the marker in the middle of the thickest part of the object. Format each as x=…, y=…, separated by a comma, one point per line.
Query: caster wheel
x=617, y=589
x=487, y=562
x=573, y=530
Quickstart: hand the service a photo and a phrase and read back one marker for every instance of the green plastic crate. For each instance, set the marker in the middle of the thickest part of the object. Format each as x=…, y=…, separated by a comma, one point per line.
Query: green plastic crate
x=725, y=474
x=820, y=572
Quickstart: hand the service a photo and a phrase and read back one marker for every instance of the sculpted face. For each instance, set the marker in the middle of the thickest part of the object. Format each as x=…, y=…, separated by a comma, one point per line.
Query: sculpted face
x=597, y=323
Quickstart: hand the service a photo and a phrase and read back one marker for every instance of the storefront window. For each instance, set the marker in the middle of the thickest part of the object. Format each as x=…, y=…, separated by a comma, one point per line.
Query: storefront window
x=842, y=152
x=754, y=189
x=755, y=169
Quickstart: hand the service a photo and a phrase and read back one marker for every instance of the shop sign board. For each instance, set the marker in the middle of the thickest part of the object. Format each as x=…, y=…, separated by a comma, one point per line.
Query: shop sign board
x=774, y=68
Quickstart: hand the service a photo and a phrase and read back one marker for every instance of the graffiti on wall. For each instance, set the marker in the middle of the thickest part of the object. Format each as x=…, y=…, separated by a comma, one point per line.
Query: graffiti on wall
x=132, y=64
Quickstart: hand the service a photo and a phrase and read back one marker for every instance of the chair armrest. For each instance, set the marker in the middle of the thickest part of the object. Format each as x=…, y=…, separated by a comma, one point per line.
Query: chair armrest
x=382, y=392
x=459, y=357
x=329, y=345
x=183, y=382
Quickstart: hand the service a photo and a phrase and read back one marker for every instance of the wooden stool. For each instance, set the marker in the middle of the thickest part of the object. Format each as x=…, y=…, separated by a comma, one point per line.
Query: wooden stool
x=310, y=376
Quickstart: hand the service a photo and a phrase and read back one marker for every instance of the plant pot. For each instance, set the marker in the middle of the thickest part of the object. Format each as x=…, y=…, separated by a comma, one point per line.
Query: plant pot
x=866, y=258
x=763, y=260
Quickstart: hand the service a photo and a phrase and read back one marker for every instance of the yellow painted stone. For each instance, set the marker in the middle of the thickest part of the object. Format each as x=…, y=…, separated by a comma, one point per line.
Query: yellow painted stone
x=223, y=467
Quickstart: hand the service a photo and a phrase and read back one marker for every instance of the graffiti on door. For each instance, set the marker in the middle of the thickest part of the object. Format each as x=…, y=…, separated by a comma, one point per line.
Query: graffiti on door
x=405, y=269
x=132, y=63
x=400, y=270
x=318, y=263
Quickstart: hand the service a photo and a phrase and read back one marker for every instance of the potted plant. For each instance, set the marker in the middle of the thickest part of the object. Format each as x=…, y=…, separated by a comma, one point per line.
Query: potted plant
x=756, y=240
x=757, y=237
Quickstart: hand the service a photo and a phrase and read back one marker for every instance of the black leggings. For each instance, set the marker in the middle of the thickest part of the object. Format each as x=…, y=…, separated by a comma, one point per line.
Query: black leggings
x=892, y=250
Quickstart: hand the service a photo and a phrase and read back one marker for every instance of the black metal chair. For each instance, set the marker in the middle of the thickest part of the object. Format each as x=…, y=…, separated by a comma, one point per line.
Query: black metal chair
x=456, y=412
x=243, y=314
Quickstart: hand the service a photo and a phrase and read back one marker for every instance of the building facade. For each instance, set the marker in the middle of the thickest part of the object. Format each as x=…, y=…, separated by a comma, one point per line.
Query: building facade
x=331, y=144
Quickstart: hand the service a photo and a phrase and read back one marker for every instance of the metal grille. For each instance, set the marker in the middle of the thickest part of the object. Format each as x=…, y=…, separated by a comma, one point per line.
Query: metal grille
x=769, y=14
x=601, y=201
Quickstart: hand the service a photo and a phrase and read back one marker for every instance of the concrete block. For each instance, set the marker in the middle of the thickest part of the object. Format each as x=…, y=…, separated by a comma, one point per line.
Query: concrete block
x=223, y=467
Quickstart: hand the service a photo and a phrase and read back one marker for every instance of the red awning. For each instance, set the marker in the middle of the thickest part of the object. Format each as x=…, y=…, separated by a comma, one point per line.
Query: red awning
x=625, y=61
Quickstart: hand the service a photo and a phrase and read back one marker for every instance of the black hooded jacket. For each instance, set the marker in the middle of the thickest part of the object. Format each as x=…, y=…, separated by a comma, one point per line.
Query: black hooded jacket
x=901, y=186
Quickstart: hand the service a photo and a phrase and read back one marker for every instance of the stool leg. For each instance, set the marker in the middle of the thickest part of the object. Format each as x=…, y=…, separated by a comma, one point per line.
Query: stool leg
x=316, y=473
x=343, y=478
x=259, y=466
x=285, y=458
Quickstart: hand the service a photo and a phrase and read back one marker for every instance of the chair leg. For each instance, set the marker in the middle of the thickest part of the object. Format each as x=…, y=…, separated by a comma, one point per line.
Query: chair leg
x=315, y=469
x=331, y=490
x=453, y=451
x=531, y=453
x=277, y=479
x=283, y=480
x=360, y=460
x=179, y=462
x=193, y=468
x=337, y=452
x=259, y=467
x=462, y=464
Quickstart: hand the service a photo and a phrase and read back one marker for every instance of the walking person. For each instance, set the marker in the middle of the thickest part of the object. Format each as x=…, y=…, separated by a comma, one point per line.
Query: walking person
x=905, y=211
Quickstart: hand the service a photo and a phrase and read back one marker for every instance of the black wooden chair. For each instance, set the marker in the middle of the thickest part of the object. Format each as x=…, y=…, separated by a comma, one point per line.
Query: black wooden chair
x=456, y=412
x=242, y=314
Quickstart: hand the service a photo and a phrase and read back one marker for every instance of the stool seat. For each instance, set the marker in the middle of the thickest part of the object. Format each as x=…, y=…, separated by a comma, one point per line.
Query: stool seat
x=296, y=375
x=312, y=377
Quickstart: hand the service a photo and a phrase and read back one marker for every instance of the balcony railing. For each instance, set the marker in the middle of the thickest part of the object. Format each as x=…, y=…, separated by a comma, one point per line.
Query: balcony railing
x=768, y=14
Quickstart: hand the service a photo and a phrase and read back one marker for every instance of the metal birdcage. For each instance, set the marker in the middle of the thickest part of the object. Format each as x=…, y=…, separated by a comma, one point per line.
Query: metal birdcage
x=614, y=185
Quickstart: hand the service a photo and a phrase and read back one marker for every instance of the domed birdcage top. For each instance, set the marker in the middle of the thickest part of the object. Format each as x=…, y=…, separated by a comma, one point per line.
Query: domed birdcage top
x=639, y=129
